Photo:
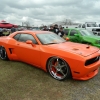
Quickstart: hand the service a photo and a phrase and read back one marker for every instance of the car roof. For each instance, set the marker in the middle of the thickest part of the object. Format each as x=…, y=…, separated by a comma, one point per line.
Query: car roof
x=30, y=32
x=34, y=31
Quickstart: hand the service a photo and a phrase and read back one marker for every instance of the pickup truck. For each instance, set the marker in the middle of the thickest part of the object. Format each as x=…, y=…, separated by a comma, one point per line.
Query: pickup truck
x=82, y=36
x=91, y=26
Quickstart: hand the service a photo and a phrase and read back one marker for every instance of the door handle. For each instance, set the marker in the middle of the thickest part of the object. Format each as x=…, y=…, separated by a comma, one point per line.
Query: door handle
x=17, y=43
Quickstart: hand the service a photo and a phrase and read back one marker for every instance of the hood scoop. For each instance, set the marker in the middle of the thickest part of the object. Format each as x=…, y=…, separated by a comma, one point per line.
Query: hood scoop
x=75, y=49
x=88, y=46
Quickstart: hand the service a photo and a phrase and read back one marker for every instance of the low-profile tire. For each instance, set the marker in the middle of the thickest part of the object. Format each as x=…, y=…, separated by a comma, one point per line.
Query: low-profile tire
x=58, y=68
x=3, y=53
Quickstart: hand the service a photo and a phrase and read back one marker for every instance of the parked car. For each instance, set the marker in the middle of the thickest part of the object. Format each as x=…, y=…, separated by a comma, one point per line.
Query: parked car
x=46, y=50
x=91, y=26
x=82, y=36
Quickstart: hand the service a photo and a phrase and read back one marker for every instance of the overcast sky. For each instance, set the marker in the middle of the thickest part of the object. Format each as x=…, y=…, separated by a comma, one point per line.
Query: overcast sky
x=39, y=12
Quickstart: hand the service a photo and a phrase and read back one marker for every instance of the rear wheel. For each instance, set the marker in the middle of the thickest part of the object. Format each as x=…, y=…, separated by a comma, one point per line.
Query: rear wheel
x=58, y=68
x=3, y=53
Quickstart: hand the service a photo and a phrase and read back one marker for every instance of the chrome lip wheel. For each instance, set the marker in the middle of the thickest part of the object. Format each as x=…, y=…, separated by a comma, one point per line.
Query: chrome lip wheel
x=2, y=53
x=58, y=68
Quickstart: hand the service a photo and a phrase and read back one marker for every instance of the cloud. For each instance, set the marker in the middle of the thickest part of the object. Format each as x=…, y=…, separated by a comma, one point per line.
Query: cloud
x=39, y=12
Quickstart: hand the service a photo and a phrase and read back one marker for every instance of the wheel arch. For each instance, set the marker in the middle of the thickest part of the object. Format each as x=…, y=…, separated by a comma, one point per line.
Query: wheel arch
x=56, y=57
x=7, y=57
x=69, y=75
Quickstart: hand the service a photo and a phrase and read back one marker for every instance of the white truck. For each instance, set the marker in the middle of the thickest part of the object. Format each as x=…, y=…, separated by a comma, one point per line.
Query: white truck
x=91, y=26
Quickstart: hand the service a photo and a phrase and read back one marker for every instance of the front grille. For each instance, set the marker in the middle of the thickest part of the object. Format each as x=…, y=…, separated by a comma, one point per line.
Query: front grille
x=94, y=29
x=98, y=30
x=91, y=61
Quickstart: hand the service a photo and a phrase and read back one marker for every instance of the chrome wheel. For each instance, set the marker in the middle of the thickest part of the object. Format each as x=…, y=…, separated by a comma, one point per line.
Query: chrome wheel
x=3, y=54
x=58, y=68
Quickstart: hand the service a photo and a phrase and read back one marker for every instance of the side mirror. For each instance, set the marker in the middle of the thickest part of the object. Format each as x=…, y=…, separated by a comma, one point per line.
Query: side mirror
x=28, y=42
x=76, y=35
x=67, y=39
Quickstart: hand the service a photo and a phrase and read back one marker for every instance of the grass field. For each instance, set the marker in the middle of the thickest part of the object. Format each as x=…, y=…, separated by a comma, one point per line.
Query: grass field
x=20, y=81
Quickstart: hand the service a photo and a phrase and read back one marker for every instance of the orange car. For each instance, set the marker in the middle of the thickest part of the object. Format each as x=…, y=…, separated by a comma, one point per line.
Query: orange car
x=48, y=51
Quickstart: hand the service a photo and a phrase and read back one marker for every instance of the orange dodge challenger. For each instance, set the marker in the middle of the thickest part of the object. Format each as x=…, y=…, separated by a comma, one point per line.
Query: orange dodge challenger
x=48, y=51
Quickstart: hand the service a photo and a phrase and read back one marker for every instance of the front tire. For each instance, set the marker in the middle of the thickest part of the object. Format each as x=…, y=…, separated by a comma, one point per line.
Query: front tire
x=58, y=69
x=3, y=53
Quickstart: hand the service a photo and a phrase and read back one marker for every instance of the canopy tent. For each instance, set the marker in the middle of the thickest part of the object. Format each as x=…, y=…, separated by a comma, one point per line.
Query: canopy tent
x=4, y=24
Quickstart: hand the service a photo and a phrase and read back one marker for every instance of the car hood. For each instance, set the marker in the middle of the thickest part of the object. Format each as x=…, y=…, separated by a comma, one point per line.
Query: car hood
x=81, y=49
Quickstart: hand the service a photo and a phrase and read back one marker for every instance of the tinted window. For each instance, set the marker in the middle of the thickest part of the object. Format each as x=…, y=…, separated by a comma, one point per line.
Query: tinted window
x=16, y=37
x=49, y=38
x=80, y=26
x=25, y=37
x=83, y=26
x=72, y=32
x=66, y=31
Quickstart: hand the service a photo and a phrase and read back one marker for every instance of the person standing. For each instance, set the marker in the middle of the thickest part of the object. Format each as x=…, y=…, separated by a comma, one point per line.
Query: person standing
x=1, y=30
x=56, y=29
x=45, y=28
x=51, y=29
x=13, y=29
x=60, y=32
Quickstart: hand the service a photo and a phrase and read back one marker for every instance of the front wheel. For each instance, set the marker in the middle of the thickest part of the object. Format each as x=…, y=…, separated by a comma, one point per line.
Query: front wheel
x=3, y=53
x=58, y=68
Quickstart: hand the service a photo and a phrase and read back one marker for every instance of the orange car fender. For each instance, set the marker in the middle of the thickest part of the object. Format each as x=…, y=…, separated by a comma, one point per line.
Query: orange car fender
x=70, y=60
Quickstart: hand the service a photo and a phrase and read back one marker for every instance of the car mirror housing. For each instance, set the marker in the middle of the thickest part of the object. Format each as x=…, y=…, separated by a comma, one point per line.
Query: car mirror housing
x=76, y=35
x=28, y=42
x=67, y=39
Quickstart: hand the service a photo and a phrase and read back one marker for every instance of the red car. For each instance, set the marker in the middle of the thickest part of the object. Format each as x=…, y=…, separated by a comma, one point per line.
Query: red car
x=46, y=50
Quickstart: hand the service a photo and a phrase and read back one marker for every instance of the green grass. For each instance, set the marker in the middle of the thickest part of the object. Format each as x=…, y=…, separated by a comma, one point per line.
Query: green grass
x=20, y=81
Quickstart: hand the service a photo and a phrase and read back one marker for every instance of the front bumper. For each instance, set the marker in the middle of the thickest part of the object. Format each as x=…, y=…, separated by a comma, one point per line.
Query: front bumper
x=96, y=33
x=87, y=72
x=88, y=76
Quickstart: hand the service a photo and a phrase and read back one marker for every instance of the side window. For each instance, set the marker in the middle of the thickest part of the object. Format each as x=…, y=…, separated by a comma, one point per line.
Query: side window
x=16, y=37
x=66, y=31
x=72, y=32
x=83, y=26
x=25, y=37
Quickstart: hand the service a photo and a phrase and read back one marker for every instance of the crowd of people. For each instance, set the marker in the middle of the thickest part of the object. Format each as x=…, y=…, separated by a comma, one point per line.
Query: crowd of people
x=59, y=30
x=7, y=31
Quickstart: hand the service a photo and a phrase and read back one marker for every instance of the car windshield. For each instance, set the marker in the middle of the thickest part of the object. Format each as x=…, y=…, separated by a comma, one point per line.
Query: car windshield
x=91, y=25
x=86, y=32
x=50, y=38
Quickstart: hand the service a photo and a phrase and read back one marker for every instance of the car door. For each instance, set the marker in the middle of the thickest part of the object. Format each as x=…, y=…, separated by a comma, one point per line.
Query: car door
x=27, y=52
x=72, y=35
